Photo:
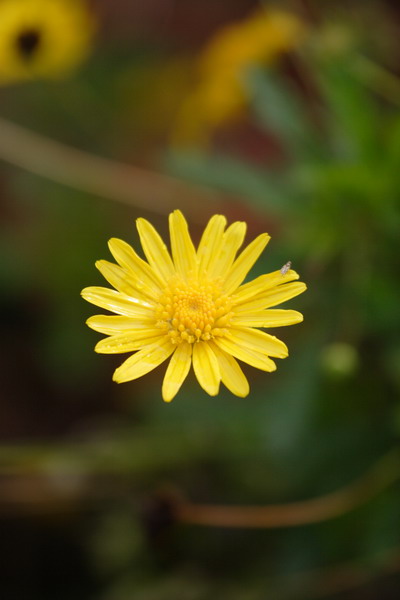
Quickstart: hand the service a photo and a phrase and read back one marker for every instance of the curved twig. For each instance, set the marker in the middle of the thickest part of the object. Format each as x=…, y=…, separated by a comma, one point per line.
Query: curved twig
x=332, y=505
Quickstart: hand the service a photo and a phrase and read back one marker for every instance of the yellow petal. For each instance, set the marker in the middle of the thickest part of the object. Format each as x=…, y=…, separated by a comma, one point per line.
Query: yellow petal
x=270, y=298
x=117, y=302
x=261, y=284
x=155, y=250
x=206, y=368
x=211, y=242
x=144, y=361
x=232, y=375
x=122, y=281
x=268, y=318
x=110, y=324
x=177, y=371
x=183, y=251
x=231, y=241
x=125, y=255
x=129, y=341
x=244, y=263
x=251, y=357
x=258, y=341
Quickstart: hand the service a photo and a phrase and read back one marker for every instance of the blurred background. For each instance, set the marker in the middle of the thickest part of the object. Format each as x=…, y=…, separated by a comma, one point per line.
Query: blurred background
x=285, y=115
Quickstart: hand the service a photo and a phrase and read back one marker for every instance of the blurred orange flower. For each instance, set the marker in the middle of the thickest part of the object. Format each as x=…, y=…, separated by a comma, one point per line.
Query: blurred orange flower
x=220, y=94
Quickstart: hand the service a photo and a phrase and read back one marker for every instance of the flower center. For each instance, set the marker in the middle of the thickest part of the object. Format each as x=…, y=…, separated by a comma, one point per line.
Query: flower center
x=27, y=42
x=193, y=311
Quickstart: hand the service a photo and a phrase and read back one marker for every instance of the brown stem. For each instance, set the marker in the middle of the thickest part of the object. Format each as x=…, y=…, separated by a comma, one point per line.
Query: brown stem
x=332, y=505
x=102, y=177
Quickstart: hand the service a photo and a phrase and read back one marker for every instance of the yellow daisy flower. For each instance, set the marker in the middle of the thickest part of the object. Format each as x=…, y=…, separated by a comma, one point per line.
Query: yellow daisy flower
x=220, y=93
x=42, y=38
x=192, y=307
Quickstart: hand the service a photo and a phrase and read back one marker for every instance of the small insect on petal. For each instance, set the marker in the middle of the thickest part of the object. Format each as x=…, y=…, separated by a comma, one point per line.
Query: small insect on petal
x=286, y=267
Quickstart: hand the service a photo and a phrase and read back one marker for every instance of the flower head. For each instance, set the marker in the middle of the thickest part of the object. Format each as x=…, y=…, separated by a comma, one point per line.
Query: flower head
x=192, y=306
x=42, y=38
x=220, y=93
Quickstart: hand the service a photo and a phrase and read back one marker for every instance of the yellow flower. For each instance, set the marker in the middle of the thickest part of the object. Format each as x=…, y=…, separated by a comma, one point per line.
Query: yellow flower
x=220, y=93
x=192, y=307
x=42, y=38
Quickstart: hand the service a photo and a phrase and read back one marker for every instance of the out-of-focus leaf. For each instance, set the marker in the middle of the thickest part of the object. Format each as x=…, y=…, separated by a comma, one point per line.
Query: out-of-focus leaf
x=351, y=114
x=272, y=192
x=279, y=110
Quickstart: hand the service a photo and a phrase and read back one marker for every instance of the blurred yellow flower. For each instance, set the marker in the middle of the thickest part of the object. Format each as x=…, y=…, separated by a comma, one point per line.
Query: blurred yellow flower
x=192, y=307
x=42, y=38
x=219, y=94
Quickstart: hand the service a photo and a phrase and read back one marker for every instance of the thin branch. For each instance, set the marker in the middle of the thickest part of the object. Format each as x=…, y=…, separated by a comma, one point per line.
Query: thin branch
x=332, y=505
x=102, y=177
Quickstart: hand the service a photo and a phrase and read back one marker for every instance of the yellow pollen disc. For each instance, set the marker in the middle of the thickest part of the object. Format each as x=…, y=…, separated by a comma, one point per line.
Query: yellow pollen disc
x=193, y=311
